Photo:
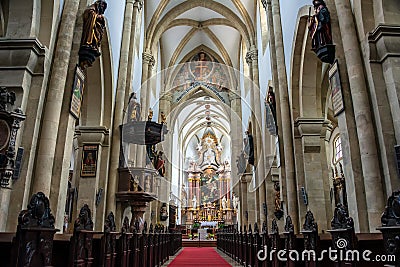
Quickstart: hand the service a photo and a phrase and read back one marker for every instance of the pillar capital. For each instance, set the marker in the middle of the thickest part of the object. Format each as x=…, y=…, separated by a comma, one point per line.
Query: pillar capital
x=265, y=3
x=252, y=55
x=138, y=4
x=148, y=59
x=167, y=97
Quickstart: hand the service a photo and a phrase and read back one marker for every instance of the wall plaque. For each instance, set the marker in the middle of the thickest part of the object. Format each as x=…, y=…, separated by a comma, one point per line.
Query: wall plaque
x=89, y=160
x=336, y=88
x=77, y=93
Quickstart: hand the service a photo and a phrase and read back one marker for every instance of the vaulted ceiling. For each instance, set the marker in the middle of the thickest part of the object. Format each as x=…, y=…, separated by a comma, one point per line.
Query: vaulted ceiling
x=179, y=27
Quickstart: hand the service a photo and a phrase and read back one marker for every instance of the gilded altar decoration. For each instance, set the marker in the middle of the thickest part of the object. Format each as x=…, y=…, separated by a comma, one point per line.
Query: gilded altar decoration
x=93, y=30
x=321, y=32
x=89, y=160
x=209, y=183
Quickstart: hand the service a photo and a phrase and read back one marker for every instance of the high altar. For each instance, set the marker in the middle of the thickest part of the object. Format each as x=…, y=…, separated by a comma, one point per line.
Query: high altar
x=209, y=181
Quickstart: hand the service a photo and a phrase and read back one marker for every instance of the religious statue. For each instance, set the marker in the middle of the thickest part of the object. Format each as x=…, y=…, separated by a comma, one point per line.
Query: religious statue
x=271, y=103
x=160, y=164
x=249, y=148
x=134, y=184
x=241, y=163
x=224, y=201
x=278, y=205
x=151, y=154
x=163, y=118
x=194, y=202
x=150, y=116
x=183, y=196
x=93, y=30
x=133, y=108
x=339, y=185
x=147, y=186
x=235, y=202
x=163, y=212
x=321, y=32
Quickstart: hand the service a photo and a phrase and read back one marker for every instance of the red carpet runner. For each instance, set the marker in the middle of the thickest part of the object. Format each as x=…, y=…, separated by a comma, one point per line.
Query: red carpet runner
x=191, y=257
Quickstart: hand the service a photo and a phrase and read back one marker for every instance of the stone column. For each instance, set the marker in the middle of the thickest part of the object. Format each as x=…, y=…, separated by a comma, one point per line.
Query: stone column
x=362, y=111
x=244, y=213
x=132, y=8
x=315, y=169
x=88, y=187
x=148, y=64
x=276, y=173
x=54, y=100
x=273, y=10
x=252, y=60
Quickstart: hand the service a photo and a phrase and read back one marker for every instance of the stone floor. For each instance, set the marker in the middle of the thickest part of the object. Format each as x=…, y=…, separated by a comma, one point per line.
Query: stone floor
x=228, y=259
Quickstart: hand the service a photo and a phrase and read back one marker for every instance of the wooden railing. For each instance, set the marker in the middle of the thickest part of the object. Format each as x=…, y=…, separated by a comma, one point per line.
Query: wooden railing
x=35, y=244
x=254, y=246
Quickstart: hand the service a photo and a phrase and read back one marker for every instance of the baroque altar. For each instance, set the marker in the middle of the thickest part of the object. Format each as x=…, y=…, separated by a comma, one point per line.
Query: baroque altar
x=209, y=197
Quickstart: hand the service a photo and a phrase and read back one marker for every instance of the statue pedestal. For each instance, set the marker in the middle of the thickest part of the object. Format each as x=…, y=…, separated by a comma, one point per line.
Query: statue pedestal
x=138, y=201
x=229, y=216
x=326, y=53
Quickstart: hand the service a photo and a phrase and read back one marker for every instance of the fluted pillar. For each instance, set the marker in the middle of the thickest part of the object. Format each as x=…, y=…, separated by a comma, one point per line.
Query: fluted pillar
x=362, y=111
x=148, y=64
x=291, y=194
x=252, y=60
x=132, y=9
x=279, y=173
x=54, y=100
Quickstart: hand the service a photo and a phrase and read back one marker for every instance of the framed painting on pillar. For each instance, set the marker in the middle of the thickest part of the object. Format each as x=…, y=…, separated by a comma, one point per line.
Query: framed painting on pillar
x=336, y=89
x=89, y=160
x=77, y=93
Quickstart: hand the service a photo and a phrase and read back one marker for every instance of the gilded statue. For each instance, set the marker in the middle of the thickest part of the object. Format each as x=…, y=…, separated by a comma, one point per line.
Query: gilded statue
x=93, y=30
x=163, y=118
x=150, y=116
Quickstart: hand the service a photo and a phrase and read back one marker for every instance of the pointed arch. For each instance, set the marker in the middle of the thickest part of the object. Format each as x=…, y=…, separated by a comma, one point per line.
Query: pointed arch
x=154, y=32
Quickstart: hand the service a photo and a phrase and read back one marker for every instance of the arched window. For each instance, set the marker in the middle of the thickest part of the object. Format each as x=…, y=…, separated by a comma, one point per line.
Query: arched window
x=337, y=149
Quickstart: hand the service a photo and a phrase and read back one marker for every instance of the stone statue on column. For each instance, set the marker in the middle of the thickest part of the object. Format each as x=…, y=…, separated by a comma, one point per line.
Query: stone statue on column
x=194, y=202
x=224, y=201
x=321, y=32
x=249, y=148
x=183, y=196
x=93, y=30
x=235, y=202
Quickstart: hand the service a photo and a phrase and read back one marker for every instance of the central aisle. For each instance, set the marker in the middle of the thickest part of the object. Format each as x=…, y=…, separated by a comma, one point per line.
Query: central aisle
x=198, y=257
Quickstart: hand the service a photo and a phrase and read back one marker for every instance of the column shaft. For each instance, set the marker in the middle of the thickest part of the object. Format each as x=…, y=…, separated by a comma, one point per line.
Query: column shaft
x=365, y=129
x=291, y=188
x=54, y=100
x=119, y=103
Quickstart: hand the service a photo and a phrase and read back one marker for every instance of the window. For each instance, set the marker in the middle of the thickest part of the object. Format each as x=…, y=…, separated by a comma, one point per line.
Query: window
x=338, y=154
